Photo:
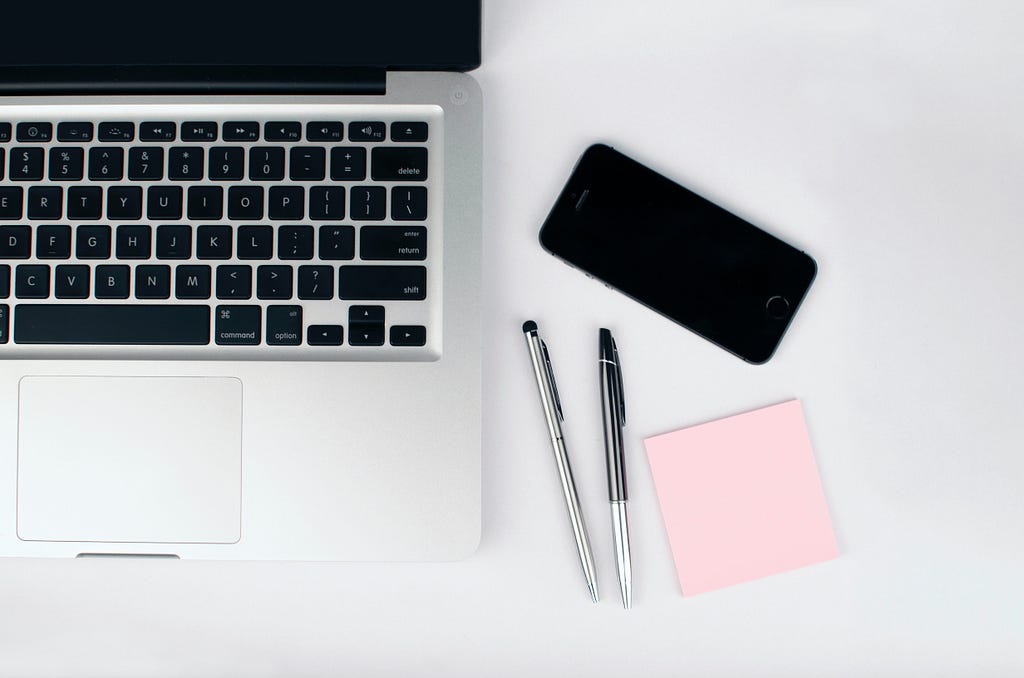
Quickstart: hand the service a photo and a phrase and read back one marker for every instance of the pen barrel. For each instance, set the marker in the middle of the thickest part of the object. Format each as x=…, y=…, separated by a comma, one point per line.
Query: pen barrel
x=613, y=443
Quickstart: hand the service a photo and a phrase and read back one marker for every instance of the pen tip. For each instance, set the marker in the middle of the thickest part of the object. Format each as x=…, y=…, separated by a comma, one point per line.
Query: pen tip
x=529, y=326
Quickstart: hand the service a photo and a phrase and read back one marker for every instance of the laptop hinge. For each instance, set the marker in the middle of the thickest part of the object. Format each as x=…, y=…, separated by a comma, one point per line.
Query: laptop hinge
x=56, y=80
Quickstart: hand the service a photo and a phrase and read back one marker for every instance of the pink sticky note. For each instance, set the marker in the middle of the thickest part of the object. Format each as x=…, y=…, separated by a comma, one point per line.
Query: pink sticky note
x=741, y=498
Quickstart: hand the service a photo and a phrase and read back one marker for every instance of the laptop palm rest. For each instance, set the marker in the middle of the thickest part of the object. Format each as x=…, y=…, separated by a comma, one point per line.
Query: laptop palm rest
x=130, y=459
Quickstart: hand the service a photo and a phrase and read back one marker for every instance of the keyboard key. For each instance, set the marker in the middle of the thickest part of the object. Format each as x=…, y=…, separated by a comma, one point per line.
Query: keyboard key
x=5, y=312
x=366, y=131
x=112, y=282
x=71, y=282
x=366, y=326
x=367, y=203
x=327, y=203
x=198, y=131
x=284, y=325
x=213, y=242
x=394, y=243
x=234, y=282
x=134, y=242
x=158, y=131
x=92, y=242
x=32, y=281
x=282, y=131
x=316, y=282
x=11, y=202
x=408, y=203
x=238, y=325
x=73, y=132
x=266, y=163
x=325, y=335
x=152, y=282
x=348, y=163
x=205, y=202
x=146, y=163
x=5, y=132
x=408, y=131
x=274, y=282
x=26, y=164
x=398, y=163
x=307, y=163
x=295, y=242
x=117, y=131
x=287, y=202
x=255, y=242
x=324, y=131
x=67, y=163
x=337, y=243
x=164, y=202
x=227, y=163
x=3, y=162
x=245, y=203
x=106, y=164
x=408, y=335
x=382, y=282
x=173, y=242
x=192, y=282
x=124, y=202
x=85, y=203
x=35, y=132
x=15, y=242
x=186, y=163
x=241, y=131
x=53, y=242
x=112, y=324
x=45, y=202
x=5, y=281
x=366, y=315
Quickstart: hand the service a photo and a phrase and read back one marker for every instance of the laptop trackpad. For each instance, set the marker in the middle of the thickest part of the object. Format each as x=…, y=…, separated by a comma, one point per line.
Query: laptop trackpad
x=130, y=459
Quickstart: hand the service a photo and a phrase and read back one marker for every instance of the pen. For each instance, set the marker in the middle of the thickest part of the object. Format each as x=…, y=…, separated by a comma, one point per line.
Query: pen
x=553, y=414
x=613, y=413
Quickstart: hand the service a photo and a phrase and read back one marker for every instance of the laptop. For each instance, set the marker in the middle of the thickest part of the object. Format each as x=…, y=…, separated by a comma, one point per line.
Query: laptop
x=240, y=282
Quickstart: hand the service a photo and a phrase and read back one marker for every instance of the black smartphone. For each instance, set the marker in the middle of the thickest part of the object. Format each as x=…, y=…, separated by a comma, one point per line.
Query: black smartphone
x=678, y=253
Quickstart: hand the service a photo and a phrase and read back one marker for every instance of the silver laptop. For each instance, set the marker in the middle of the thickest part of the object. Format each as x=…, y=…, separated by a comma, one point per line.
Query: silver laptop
x=239, y=302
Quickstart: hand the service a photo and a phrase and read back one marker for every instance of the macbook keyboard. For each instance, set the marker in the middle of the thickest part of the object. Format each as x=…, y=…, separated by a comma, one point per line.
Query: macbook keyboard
x=230, y=232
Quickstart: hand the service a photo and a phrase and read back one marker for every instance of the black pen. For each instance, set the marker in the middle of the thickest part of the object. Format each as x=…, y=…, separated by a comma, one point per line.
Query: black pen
x=613, y=413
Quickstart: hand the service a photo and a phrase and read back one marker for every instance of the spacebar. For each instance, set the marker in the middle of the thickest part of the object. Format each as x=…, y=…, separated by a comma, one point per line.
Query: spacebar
x=124, y=324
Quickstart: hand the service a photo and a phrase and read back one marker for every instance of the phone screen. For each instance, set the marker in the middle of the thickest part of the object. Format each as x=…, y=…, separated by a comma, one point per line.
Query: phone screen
x=678, y=253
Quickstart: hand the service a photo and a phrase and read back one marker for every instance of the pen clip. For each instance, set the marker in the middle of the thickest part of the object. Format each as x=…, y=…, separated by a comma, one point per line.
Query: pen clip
x=618, y=370
x=551, y=379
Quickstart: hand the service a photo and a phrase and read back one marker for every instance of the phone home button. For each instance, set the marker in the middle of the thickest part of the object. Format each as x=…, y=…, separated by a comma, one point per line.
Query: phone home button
x=777, y=307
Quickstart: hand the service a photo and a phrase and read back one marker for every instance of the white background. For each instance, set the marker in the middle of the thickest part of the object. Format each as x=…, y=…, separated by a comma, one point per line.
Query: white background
x=883, y=138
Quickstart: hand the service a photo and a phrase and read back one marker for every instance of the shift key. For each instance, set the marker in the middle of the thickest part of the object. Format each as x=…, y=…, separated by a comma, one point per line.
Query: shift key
x=383, y=283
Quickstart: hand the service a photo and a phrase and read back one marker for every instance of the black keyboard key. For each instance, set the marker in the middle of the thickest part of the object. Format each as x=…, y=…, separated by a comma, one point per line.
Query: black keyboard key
x=274, y=282
x=158, y=131
x=205, y=202
x=72, y=132
x=307, y=163
x=234, y=282
x=53, y=242
x=192, y=282
x=325, y=335
x=366, y=315
x=32, y=281
x=146, y=163
x=5, y=312
x=185, y=163
x=85, y=203
x=238, y=325
x=282, y=131
x=112, y=324
x=152, y=282
x=35, y=132
x=367, y=203
x=26, y=164
x=174, y=242
x=348, y=163
x=227, y=163
x=11, y=198
x=266, y=163
x=15, y=242
x=106, y=164
x=408, y=335
x=287, y=202
x=67, y=163
x=198, y=131
x=112, y=282
x=164, y=202
x=366, y=131
x=124, y=202
x=408, y=131
x=213, y=242
x=134, y=242
x=3, y=162
x=284, y=325
x=245, y=203
x=382, y=282
x=71, y=282
x=5, y=132
x=116, y=131
x=324, y=131
x=366, y=325
x=92, y=242
x=241, y=131
x=255, y=242
x=399, y=163
x=295, y=242
x=316, y=282
x=408, y=203
x=396, y=243
x=45, y=202
x=337, y=243
x=327, y=203
x=5, y=281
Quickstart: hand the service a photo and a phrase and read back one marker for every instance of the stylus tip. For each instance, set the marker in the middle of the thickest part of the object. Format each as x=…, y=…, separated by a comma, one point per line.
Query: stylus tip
x=529, y=326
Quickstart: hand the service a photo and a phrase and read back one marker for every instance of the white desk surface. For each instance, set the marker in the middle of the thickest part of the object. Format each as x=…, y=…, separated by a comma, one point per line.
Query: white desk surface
x=887, y=140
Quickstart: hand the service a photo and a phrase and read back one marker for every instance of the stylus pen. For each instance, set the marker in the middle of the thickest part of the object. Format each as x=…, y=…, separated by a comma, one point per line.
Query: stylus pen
x=613, y=413
x=553, y=414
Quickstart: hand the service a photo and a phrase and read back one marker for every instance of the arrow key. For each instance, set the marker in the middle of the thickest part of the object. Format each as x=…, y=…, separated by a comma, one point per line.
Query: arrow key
x=408, y=335
x=325, y=335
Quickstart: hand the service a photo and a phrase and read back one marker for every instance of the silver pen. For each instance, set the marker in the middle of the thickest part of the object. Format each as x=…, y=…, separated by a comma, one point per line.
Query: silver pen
x=613, y=413
x=553, y=414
